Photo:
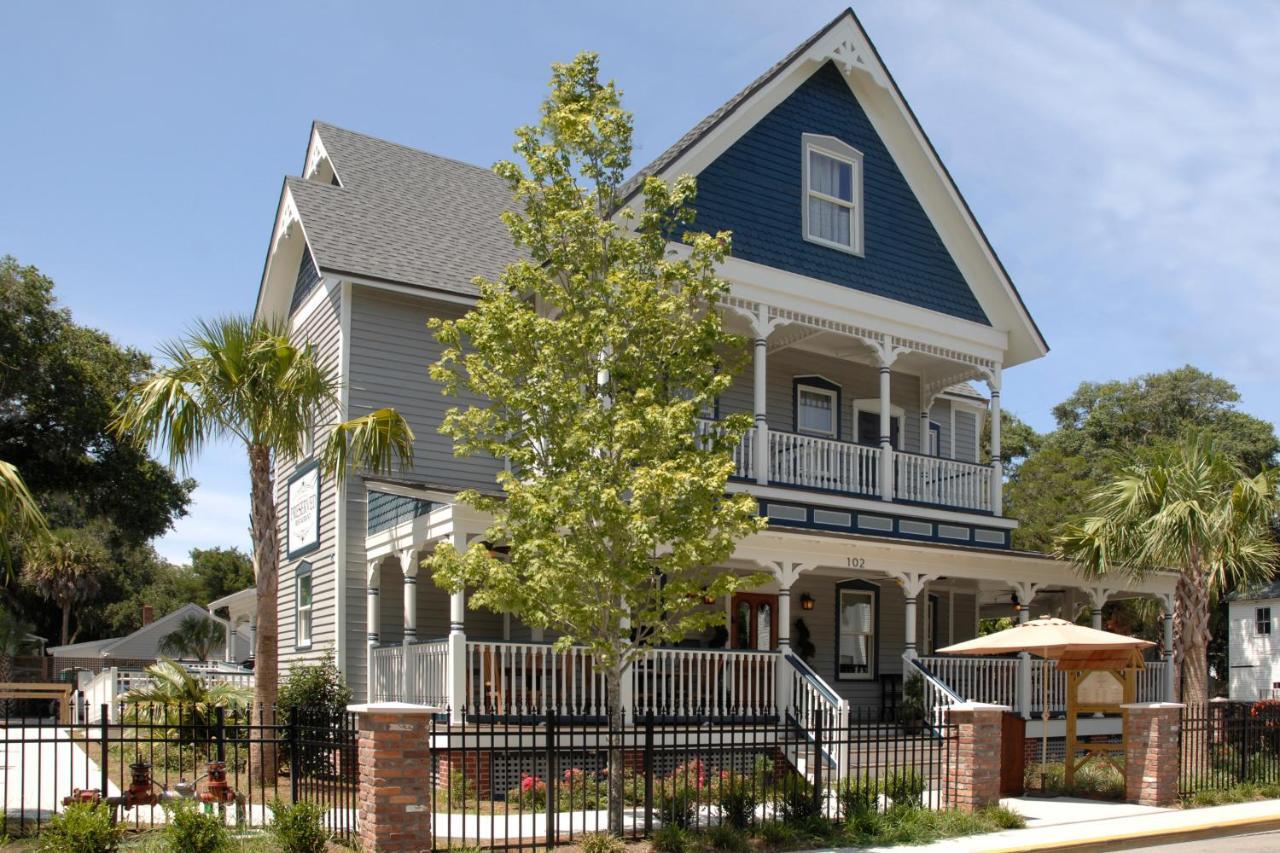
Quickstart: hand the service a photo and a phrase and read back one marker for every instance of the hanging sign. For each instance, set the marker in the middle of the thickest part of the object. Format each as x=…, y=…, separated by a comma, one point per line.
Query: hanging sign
x=304, y=511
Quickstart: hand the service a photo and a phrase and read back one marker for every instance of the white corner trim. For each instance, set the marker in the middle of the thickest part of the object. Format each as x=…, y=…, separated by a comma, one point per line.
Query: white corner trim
x=340, y=492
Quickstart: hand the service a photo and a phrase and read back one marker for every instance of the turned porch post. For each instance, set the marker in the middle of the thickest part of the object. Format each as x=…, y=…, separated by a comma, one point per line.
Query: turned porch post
x=1026, y=591
x=409, y=567
x=373, y=618
x=886, y=434
x=1097, y=598
x=456, y=687
x=912, y=583
x=1167, y=652
x=997, y=467
x=760, y=460
x=787, y=573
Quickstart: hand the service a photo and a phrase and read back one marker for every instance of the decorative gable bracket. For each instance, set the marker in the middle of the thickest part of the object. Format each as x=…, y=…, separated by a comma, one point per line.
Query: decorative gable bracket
x=850, y=57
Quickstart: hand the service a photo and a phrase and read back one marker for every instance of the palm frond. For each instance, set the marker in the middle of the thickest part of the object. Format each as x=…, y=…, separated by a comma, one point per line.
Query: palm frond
x=20, y=516
x=375, y=442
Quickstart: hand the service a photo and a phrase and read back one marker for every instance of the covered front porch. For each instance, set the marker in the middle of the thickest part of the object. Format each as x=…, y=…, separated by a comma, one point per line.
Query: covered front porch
x=841, y=623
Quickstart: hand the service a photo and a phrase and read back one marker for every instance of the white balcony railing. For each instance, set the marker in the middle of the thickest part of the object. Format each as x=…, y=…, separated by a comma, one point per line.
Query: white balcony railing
x=821, y=463
x=946, y=482
x=990, y=680
x=523, y=678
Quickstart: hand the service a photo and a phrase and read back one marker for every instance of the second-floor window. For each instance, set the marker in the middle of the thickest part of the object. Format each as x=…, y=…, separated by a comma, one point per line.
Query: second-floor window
x=833, y=193
x=816, y=410
x=1262, y=620
x=303, y=591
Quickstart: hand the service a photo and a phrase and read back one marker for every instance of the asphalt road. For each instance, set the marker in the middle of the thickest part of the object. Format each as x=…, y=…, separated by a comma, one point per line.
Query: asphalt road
x=1262, y=842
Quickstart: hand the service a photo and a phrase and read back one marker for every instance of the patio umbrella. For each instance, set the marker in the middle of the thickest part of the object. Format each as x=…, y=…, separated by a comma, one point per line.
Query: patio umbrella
x=1051, y=639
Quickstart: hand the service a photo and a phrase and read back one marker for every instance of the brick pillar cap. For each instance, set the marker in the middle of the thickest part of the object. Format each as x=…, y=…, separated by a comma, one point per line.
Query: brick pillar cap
x=1152, y=706
x=404, y=708
x=977, y=706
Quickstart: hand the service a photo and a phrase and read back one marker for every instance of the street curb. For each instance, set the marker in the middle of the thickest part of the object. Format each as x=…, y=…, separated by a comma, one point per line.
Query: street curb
x=1129, y=841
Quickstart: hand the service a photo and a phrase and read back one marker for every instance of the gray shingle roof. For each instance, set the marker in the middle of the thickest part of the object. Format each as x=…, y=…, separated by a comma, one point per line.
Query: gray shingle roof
x=964, y=389
x=404, y=215
x=1258, y=592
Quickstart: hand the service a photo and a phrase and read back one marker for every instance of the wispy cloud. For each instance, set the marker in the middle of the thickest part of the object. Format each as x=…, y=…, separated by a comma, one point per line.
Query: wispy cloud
x=215, y=518
x=1126, y=157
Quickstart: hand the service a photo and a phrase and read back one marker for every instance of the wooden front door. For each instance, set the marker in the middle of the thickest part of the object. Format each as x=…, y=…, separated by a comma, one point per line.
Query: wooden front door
x=753, y=621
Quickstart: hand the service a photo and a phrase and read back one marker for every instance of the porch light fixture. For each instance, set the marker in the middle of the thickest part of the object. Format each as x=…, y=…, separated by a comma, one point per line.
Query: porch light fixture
x=709, y=599
x=806, y=602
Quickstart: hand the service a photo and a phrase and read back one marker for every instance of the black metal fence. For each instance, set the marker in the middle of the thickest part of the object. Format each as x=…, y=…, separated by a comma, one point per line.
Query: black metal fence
x=232, y=761
x=1225, y=744
x=534, y=783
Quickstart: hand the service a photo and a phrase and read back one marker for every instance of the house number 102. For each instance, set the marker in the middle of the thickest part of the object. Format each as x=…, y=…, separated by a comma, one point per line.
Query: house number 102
x=856, y=562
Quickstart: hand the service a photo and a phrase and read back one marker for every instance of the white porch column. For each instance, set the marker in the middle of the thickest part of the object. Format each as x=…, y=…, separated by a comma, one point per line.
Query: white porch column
x=229, y=641
x=997, y=466
x=761, y=445
x=626, y=691
x=456, y=686
x=409, y=567
x=912, y=583
x=253, y=636
x=925, y=404
x=1166, y=651
x=886, y=442
x=1026, y=591
x=372, y=621
x=1097, y=598
x=787, y=572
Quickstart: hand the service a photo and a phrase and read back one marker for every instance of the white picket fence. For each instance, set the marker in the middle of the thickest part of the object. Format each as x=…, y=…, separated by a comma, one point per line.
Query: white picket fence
x=110, y=684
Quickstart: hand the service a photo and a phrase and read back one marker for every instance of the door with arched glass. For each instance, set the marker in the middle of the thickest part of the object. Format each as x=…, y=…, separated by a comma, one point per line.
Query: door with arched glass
x=754, y=621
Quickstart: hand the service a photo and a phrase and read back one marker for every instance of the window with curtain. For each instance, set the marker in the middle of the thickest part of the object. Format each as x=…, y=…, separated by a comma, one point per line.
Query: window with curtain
x=815, y=410
x=303, y=605
x=856, y=633
x=833, y=194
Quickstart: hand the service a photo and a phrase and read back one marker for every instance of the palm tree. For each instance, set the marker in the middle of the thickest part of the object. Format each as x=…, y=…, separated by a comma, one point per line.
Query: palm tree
x=64, y=568
x=20, y=517
x=195, y=637
x=248, y=381
x=1193, y=509
x=181, y=701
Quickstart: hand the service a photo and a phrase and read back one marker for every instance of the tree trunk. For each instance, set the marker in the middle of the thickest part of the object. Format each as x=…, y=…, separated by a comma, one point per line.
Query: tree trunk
x=266, y=558
x=1192, y=616
x=617, y=772
x=66, y=623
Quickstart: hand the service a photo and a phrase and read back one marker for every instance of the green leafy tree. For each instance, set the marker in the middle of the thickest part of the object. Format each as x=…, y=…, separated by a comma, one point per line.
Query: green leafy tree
x=59, y=382
x=1102, y=426
x=195, y=637
x=220, y=571
x=65, y=568
x=595, y=358
x=248, y=381
x=1193, y=508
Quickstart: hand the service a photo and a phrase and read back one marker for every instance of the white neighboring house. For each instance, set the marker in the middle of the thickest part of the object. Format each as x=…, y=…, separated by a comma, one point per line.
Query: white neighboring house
x=242, y=615
x=143, y=645
x=1253, y=653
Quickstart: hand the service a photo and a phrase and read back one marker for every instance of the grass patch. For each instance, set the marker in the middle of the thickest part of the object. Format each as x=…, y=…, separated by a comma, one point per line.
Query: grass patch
x=1244, y=793
x=1096, y=780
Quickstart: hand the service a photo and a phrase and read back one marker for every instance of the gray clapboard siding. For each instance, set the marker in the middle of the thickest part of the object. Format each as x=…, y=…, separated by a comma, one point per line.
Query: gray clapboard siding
x=966, y=435
x=322, y=329
x=391, y=350
x=856, y=381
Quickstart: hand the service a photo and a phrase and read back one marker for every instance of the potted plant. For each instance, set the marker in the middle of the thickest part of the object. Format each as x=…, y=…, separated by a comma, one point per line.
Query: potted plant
x=913, y=703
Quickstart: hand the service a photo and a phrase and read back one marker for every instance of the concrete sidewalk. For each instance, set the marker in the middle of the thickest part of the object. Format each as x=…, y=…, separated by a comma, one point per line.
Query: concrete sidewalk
x=1064, y=823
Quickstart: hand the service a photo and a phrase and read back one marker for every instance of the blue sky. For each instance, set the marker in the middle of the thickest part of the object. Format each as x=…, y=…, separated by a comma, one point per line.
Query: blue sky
x=1123, y=157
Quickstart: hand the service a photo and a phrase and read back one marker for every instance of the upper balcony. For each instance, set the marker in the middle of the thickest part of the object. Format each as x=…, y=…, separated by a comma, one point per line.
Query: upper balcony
x=867, y=411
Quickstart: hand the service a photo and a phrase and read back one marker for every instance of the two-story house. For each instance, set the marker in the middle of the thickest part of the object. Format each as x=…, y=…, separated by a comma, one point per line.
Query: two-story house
x=881, y=324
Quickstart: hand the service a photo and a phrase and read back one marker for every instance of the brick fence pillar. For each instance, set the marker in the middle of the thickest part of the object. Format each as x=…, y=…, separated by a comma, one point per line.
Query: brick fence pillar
x=973, y=755
x=394, y=799
x=1152, y=762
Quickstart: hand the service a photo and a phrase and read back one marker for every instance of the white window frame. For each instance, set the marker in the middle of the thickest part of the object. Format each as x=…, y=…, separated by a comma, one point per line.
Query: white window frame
x=1258, y=621
x=302, y=638
x=830, y=393
x=873, y=645
x=829, y=146
x=871, y=405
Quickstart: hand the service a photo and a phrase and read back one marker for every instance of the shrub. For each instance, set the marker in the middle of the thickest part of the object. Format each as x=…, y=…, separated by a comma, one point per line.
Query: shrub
x=776, y=835
x=190, y=830
x=297, y=828
x=677, y=806
x=904, y=788
x=796, y=803
x=726, y=838
x=858, y=796
x=530, y=795
x=671, y=838
x=319, y=695
x=601, y=842
x=737, y=799
x=81, y=828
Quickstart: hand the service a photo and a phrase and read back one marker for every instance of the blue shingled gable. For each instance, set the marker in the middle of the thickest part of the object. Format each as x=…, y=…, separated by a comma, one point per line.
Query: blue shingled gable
x=754, y=190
